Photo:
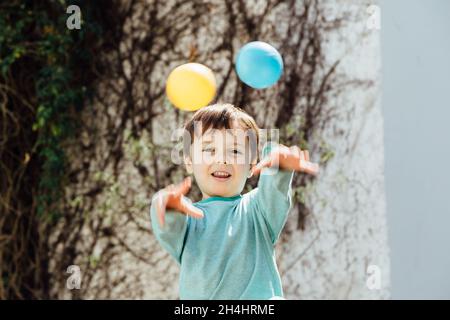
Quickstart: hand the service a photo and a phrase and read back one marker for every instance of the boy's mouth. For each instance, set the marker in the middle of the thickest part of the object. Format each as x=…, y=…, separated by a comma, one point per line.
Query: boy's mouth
x=221, y=175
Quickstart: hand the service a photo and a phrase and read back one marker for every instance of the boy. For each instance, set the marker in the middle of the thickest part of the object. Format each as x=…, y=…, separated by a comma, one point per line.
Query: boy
x=224, y=243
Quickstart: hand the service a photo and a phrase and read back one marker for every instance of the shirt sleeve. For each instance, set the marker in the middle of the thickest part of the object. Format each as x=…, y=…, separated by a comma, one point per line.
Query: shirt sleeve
x=272, y=199
x=172, y=235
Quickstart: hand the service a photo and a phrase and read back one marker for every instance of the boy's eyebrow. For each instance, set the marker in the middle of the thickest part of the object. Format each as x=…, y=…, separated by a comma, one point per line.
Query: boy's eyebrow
x=236, y=141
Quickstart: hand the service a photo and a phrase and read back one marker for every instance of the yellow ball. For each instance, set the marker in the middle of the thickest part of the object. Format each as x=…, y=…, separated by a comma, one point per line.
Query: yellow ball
x=191, y=86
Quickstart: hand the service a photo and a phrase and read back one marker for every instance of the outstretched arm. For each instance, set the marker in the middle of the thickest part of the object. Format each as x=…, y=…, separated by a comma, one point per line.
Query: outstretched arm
x=272, y=199
x=169, y=212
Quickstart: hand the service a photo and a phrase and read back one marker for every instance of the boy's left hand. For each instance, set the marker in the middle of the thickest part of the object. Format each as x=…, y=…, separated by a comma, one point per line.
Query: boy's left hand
x=292, y=158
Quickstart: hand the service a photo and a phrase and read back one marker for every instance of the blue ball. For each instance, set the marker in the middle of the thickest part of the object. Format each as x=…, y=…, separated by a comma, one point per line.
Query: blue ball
x=259, y=65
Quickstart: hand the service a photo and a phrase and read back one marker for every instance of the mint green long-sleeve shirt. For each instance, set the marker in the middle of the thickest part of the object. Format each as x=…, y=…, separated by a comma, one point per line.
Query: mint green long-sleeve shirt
x=229, y=254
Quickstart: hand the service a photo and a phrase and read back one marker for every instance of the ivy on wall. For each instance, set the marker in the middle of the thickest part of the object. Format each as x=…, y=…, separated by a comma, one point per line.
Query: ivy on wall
x=45, y=75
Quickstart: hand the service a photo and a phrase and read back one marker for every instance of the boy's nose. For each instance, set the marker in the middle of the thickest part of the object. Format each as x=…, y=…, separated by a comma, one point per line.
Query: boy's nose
x=221, y=160
x=221, y=157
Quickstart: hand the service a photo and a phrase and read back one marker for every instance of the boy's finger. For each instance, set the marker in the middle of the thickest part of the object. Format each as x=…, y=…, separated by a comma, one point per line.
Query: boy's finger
x=306, y=155
x=262, y=164
x=302, y=156
x=257, y=168
x=310, y=167
x=295, y=151
x=161, y=207
x=191, y=210
x=184, y=186
x=169, y=190
x=194, y=212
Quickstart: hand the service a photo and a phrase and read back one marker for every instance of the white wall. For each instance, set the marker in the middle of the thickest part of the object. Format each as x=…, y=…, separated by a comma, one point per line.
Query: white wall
x=416, y=105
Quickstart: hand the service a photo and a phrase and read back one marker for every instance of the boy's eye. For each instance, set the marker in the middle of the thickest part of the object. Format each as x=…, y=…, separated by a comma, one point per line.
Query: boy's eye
x=208, y=150
x=235, y=151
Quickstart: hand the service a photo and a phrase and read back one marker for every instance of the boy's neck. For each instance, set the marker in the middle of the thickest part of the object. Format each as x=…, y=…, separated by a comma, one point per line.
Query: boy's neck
x=206, y=196
x=220, y=198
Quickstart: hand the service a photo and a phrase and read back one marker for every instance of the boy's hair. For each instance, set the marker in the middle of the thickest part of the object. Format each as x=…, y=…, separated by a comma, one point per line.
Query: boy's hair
x=220, y=116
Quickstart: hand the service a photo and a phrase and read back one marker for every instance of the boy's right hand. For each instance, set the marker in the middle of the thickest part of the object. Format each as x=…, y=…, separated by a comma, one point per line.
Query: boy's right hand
x=172, y=197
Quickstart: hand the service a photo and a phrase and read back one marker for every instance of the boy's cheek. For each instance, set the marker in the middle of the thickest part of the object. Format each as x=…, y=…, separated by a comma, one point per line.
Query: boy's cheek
x=242, y=171
x=200, y=171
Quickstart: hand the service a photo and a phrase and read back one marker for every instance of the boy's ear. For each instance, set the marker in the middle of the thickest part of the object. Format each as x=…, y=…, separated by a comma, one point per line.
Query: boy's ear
x=188, y=164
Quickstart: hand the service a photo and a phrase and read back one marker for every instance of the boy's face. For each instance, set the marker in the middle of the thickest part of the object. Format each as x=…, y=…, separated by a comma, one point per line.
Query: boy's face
x=220, y=161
